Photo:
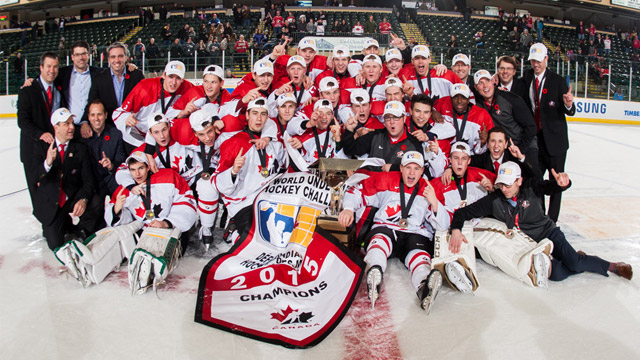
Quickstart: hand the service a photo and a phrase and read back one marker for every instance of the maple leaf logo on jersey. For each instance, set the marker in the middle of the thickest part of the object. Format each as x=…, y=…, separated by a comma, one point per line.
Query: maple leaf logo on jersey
x=188, y=162
x=176, y=162
x=392, y=210
x=291, y=316
x=157, y=209
x=140, y=212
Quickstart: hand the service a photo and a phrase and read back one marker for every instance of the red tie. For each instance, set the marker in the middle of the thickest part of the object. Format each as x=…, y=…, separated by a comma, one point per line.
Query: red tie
x=50, y=99
x=63, y=197
x=536, y=101
x=496, y=165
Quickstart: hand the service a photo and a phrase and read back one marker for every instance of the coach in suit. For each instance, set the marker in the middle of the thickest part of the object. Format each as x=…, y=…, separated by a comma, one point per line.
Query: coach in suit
x=507, y=69
x=63, y=183
x=550, y=100
x=501, y=149
x=114, y=84
x=35, y=103
x=76, y=81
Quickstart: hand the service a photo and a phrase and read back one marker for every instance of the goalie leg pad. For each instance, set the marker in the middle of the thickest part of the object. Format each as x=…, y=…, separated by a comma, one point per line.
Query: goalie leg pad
x=466, y=257
x=154, y=258
x=513, y=255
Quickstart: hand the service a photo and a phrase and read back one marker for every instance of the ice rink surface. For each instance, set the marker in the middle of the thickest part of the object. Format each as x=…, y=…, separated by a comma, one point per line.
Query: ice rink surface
x=44, y=315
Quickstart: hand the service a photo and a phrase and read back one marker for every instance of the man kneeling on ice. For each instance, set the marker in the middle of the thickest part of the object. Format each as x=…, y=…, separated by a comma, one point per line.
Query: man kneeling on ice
x=523, y=228
x=403, y=226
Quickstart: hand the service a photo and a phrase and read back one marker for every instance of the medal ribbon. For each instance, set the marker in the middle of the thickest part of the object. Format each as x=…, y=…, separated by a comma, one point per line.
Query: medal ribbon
x=262, y=154
x=404, y=209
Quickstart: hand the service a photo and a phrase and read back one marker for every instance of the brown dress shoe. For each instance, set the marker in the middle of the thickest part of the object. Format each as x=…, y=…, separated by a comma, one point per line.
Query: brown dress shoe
x=580, y=252
x=624, y=270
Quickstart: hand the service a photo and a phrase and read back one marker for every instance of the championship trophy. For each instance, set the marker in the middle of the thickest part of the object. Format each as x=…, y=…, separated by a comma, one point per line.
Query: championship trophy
x=334, y=173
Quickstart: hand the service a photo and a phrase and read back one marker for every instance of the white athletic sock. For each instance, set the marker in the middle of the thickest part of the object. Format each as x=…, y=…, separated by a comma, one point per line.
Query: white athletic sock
x=378, y=251
x=419, y=264
x=207, y=212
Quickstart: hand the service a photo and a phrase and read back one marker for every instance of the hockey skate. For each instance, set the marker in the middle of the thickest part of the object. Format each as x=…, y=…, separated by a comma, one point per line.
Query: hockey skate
x=541, y=265
x=458, y=277
x=206, y=235
x=374, y=283
x=72, y=265
x=429, y=289
x=140, y=279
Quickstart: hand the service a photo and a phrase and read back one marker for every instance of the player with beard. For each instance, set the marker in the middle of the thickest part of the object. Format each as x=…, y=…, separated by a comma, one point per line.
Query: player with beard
x=408, y=212
x=244, y=169
x=322, y=136
x=470, y=122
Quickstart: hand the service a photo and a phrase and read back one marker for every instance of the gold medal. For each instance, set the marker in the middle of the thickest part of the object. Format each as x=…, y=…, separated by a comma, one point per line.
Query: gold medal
x=264, y=172
x=149, y=215
x=403, y=223
x=206, y=176
x=509, y=234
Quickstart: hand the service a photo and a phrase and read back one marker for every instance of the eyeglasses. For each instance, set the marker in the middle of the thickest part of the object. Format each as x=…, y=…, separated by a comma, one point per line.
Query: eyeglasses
x=392, y=118
x=81, y=54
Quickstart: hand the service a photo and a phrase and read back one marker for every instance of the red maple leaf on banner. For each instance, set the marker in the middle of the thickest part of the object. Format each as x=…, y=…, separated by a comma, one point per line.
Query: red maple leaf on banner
x=140, y=212
x=283, y=316
x=392, y=210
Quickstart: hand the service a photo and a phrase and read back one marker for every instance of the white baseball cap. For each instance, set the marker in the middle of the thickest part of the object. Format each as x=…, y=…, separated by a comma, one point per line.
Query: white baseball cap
x=323, y=104
x=257, y=103
x=393, y=81
x=328, y=83
x=392, y=54
x=213, y=70
x=175, y=67
x=395, y=108
x=198, y=119
x=481, y=74
x=262, y=67
x=420, y=50
x=461, y=57
x=537, y=52
x=354, y=67
x=508, y=173
x=156, y=118
x=369, y=43
x=372, y=58
x=306, y=43
x=60, y=115
x=341, y=51
x=297, y=59
x=286, y=97
x=462, y=147
x=460, y=89
x=359, y=96
x=138, y=156
x=412, y=157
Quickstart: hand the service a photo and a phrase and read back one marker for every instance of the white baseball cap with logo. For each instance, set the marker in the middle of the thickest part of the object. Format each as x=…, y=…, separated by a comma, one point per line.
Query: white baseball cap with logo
x=462, y=147
x=213, y=70
x=508, y=173
x=369, y=43
x=60, y=115
x=297, y=59
x=460, y=89
x=262, y=67
x=341, y=51
x=392, y=54
x=307, y=43
x=372, y=58
x=175, y=67
x=257, y=103
x=286, y=97
x=359, y=96
x=138, y=156
x=481, y=74
x=460, y=57
x=537, y=52
x=395, y=108
x=156, y=118
x=393, y=81
x=199, y=119
x=328, y=83
x=420, y=50
x=323, y=104
x=412, y=157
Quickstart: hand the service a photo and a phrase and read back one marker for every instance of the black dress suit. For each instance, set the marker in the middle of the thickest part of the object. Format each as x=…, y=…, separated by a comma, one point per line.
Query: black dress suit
x=553, y=137
x=484, y=161
x=64, y=79
x=34, y=120
x=110, y=142
x=74, y=174
x=103, y=89
x=519, y=87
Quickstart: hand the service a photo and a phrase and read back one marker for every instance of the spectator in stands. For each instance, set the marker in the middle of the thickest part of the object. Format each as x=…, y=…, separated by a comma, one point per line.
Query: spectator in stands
x=241, y=47
x=635, y=43
x=192, y=35
x=18, y=64
x=479, y=38
x=162, y=12
x=228, y=30
x=176, y=49
x=344, y=27
x=311, y=26
x=203, y=33
x=213, y=47
x=526, y=40
x=607, y=45
x=451, y=47
x=301, y=24
x=237, y=14
x=228, y=74
x=581, y=30
x=514, y=38
x=183, y=34
x=320, y=28
x=188, y=48
x=618, y=95
x=165, y=33
x=635, y=60
x=322, y=17
x=351, y=4
x=277, y=23
x=138, y=49
x=385, y=26
x=370, y=27
x=61, y=24
x=246, y=17
x=259, y=38
x=357, y=29
x=214, y=20
x=592, y=32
